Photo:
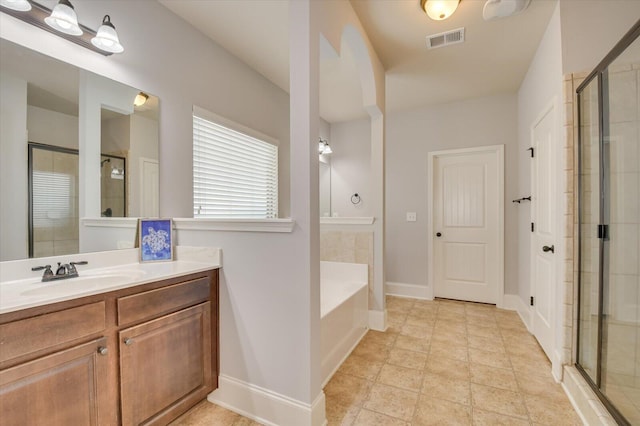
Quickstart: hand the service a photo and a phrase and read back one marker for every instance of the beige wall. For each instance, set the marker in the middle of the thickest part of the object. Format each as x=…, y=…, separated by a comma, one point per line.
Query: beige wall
x=52, y=128
x=410, y=136
x=540, y=89
x=348, y=246
x=590, y=29
x=351, y=168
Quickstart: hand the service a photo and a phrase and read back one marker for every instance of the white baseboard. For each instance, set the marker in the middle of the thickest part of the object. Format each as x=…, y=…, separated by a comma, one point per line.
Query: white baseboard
x=556, y=366
x=513, y=302
x=265, y=406
x=378, y=320
x=407, y=290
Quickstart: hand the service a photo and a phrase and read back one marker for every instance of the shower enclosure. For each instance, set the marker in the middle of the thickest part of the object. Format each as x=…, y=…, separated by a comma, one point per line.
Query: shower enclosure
x=608, y=354
x=53, y=197
x=113, y=189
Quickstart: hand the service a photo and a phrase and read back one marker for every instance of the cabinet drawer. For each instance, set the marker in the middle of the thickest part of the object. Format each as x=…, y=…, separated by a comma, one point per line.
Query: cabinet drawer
x=150, y=304
x=31, y=335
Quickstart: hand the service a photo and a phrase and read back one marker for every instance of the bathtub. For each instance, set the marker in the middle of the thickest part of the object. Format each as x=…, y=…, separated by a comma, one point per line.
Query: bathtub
x=344, y=299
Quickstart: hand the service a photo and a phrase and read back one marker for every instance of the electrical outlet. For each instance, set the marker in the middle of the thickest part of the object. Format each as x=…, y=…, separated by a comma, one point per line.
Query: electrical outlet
x=411, y=217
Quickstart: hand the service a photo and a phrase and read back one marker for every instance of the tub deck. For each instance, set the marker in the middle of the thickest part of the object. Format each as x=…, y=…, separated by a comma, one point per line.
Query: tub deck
x=344, y=298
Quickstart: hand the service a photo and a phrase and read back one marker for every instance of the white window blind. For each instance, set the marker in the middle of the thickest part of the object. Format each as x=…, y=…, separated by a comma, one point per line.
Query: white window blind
x=234, y=175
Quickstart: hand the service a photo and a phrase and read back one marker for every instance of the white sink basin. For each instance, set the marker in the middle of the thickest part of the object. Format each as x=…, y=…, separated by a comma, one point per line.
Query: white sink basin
x=84, y=282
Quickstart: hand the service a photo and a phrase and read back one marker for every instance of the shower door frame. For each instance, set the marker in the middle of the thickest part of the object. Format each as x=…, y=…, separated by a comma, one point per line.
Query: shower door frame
x=36, y=145
x=125, y=180
x=30, y=147
x=601, y=74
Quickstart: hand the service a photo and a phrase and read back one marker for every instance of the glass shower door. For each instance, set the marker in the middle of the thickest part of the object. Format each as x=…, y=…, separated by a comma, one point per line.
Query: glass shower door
x=609, y=230
x=589, y=219
x=53, y=201
x=620, y=376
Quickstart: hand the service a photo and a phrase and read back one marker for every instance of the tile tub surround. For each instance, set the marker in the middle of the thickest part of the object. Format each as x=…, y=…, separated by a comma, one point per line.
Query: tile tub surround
x=435, y=365
x=16, y=276
x=350, y=247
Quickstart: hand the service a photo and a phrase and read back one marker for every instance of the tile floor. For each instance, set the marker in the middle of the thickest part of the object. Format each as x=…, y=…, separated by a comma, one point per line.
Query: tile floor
x=439, y=363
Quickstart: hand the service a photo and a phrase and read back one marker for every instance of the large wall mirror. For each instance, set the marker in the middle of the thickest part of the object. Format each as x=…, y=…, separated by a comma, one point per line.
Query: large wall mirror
x=58, y=123
x=325, y=187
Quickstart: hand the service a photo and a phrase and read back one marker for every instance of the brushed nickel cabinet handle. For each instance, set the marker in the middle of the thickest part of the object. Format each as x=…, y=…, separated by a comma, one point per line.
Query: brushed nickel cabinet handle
x=128, y=341
x=103, y=350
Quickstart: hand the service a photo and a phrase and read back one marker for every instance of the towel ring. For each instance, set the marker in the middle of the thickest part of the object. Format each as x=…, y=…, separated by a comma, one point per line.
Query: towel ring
x=355, y=199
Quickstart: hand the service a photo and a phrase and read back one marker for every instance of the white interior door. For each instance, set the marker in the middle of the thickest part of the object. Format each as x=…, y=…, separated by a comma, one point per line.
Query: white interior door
x=149, y=188
x=543, y=248
x=468, y=224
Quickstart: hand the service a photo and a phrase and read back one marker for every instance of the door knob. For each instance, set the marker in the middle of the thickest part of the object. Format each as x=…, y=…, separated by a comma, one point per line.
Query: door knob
x=548, y=249
x=128, y=341
x=438, y=234
x=102, y=350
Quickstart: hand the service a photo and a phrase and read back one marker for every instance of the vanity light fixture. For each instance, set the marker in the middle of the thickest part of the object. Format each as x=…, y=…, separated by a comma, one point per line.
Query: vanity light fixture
x=327, y=148
x=439, y=10
x=141, y=99
x=63, y=22
x=324, y=148
x=63, y=18
x=19, y=5
x=107, y=38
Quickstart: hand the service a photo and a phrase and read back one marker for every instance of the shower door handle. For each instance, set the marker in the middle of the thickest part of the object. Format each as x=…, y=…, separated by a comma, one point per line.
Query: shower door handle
x=548, y=249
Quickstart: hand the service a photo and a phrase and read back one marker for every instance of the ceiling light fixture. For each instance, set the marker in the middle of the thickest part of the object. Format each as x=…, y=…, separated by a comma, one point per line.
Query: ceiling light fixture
x=496, y=9
x=141, y=99
x=439, y=10
x=107, y=37
x=63, y=18
x=19, y=5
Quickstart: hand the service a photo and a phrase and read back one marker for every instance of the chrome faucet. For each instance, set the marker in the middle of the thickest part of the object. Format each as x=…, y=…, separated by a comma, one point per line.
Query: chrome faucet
x=68, y=270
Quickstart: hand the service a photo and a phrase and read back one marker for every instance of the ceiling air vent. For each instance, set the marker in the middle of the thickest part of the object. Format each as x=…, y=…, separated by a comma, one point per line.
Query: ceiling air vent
x=445, y=39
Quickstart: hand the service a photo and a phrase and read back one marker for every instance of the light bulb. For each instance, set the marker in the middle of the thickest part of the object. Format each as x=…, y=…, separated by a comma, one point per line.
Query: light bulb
x=19, y=5
x=107, y=38
x=141, y=99
x=64, y=19
x=439, y=10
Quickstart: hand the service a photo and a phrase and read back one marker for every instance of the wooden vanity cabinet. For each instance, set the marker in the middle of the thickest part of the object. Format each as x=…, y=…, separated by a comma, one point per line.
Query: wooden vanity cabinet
x=64, y=388
x=137, y=356
x=165, y=363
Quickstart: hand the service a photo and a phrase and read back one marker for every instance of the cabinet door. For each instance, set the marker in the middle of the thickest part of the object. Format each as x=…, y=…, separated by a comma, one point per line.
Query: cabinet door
x=65, y=388
x=165, y=366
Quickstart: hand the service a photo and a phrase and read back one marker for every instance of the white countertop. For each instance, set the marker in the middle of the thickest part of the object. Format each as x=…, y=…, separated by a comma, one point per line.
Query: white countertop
x=22, y=293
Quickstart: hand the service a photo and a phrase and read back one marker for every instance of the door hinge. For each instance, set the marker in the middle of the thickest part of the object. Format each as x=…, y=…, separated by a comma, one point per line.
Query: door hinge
x=603, y=232
x=531, y=301
x=531, y=149
x=533, y=227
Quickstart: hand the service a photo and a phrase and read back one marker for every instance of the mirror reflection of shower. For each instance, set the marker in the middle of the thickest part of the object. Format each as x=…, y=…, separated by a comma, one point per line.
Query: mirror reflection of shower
x=113, y=186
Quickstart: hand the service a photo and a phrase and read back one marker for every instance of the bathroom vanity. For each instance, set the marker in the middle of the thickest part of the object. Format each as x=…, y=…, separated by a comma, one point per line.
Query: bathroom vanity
x=141, y=354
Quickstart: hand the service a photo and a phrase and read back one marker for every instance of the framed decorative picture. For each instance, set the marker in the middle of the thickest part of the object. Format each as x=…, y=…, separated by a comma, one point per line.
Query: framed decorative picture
x=155, y=240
